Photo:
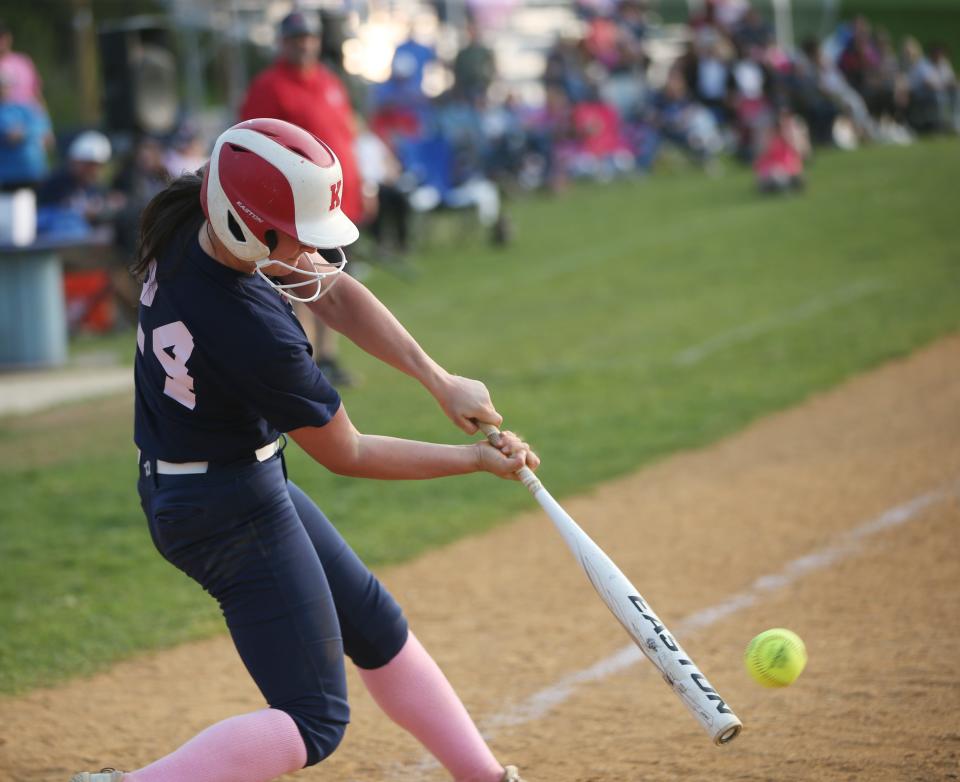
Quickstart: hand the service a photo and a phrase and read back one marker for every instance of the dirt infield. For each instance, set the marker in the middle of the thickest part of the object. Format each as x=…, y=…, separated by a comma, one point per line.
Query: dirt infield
x=839, y=519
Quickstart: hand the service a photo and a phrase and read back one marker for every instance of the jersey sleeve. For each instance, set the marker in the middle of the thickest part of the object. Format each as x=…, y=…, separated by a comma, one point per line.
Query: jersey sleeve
x=270, y=368
x=289, y=390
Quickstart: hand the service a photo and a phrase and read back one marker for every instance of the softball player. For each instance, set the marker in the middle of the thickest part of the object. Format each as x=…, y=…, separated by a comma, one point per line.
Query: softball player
x=222, y=369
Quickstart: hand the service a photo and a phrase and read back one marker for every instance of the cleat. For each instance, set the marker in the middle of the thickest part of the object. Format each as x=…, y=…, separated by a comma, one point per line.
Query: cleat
x=511, y=774
x=105, y=775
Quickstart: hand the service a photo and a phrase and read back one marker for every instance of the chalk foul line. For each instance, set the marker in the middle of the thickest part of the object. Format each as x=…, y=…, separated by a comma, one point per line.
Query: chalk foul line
x=802, y=312
x=737, y=335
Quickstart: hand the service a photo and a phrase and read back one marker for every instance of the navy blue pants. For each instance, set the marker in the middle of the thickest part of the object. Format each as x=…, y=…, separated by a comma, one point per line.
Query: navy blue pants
x=294, y=595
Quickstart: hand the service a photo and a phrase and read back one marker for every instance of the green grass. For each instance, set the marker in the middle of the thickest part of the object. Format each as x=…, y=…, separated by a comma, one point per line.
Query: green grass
x=578, y=328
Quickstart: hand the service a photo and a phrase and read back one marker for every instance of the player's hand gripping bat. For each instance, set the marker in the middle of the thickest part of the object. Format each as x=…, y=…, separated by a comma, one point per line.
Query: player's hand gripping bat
x=636, y=616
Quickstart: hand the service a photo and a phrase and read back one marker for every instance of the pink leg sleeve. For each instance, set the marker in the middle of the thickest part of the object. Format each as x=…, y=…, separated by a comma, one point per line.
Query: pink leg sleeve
x=412, y=690
x=254, y=747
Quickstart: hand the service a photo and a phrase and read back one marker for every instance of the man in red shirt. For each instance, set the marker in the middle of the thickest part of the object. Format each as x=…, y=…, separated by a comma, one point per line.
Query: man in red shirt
x=299, y=89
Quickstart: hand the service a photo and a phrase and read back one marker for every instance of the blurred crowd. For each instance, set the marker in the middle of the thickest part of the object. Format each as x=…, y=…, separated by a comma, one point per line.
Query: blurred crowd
x=611, y=109
x=615, y=99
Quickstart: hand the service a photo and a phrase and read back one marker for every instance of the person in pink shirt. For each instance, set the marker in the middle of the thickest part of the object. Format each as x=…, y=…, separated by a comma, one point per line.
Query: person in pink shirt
x=19, y=72
x=779, y=168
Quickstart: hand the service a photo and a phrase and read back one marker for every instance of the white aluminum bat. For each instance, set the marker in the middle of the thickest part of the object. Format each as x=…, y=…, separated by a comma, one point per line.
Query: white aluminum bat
x=637, y=617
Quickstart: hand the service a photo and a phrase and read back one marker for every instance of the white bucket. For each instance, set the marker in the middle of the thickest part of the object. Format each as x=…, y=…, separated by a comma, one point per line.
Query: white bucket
x=18, y=217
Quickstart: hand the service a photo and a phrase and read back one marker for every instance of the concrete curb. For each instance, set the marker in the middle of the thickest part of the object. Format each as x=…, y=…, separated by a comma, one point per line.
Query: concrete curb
x=22, y=393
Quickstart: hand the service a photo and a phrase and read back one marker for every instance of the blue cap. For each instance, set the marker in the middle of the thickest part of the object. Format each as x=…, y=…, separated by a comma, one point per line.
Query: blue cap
x=300, y=23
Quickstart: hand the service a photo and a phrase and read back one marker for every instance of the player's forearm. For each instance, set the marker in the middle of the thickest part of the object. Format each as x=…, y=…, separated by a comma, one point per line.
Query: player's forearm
x=351, y=309
x=343, y=450
x=393, y=459
x=340, y=448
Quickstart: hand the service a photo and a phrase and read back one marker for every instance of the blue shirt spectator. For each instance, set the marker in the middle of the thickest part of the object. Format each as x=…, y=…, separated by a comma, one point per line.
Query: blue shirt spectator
x=411, y=58
x=23, y=130
x=404, y=88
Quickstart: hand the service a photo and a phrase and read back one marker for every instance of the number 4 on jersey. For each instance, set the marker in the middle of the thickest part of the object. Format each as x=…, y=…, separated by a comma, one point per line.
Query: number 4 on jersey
x=175, y=338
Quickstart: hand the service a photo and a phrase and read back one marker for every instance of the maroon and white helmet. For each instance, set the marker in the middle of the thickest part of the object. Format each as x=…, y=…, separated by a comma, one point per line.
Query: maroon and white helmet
x=267, y=176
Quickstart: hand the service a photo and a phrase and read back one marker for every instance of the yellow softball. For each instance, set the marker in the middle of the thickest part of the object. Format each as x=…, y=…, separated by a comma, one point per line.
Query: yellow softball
x=776, y=657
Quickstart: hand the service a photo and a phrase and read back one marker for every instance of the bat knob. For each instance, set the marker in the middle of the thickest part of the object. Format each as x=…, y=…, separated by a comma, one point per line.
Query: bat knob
x=729, y=734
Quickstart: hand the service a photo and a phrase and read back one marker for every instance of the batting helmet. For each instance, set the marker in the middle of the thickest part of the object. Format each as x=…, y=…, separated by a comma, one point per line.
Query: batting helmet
x=267, y=175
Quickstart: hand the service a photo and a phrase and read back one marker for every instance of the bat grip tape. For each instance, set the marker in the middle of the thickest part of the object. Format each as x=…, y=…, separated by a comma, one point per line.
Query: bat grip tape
x=525, y=474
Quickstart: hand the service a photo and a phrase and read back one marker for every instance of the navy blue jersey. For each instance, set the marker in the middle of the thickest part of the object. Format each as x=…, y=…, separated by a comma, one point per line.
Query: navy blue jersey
x=222, y=365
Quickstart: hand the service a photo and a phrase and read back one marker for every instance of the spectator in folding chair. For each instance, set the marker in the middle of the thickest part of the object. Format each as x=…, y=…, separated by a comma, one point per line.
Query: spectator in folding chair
x=679, y=119
x=431, y=163
x=518, y=154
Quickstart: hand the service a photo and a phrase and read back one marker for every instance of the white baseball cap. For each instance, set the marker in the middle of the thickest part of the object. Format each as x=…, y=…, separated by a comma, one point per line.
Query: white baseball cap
x=91, y=146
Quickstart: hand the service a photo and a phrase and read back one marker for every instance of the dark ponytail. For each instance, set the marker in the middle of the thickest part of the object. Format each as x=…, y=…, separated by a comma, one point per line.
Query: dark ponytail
x=174, y=211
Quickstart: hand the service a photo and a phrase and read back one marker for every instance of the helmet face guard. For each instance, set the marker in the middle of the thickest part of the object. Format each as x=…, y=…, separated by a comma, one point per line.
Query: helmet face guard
x=322, y=270
x=268, y=177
